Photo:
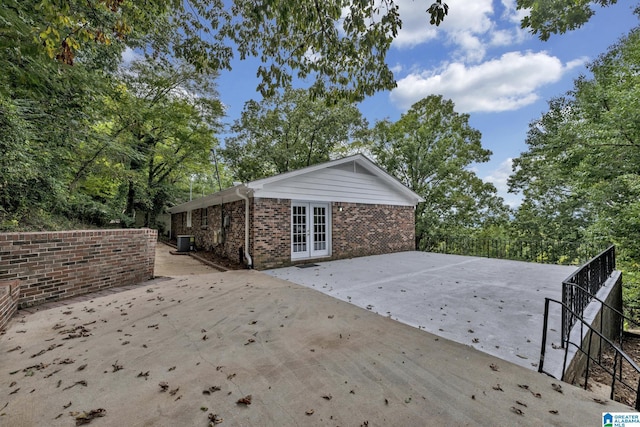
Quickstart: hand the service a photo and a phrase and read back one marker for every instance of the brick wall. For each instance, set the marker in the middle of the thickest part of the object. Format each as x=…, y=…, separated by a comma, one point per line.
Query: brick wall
x=204, y=234
x=361, y=229
x=271, y=233
x=57, y=265
x=8, y=301
x=358, y=230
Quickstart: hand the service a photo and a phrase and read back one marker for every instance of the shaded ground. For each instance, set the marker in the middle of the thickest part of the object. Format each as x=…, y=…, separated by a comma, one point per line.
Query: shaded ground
x=211, y=257
x=185, y=350
x=168, y=265
x=623, y=394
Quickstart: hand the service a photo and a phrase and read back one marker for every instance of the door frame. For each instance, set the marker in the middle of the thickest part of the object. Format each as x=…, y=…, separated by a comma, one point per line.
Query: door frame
x=309, y=214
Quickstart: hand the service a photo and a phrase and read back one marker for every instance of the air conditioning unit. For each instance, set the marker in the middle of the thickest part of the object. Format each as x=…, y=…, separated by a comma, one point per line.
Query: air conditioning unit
x=184, y=243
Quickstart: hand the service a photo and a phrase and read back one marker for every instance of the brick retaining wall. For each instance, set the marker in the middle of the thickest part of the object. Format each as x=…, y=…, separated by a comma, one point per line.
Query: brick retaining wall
x=8, y=301
x=55, y=265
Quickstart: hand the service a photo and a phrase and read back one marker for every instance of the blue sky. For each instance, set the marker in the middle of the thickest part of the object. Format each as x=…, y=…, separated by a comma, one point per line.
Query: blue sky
x=479, y=57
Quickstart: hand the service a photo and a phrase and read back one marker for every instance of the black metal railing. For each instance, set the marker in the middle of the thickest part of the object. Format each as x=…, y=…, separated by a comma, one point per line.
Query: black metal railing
x=540, y=251
x=619, y=358
x=579, y=288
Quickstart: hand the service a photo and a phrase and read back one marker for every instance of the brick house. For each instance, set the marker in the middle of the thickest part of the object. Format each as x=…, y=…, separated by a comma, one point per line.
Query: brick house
x=343, y=208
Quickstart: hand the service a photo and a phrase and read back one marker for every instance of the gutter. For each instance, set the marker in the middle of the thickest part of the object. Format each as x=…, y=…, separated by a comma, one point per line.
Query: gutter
x=246, y=227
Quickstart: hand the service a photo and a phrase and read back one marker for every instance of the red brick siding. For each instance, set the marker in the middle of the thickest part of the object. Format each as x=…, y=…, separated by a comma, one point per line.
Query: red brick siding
x=361, y=230
x=358, y=230
x=8, y=301
x=57, y=265
x=203, y=234
x=271, y=233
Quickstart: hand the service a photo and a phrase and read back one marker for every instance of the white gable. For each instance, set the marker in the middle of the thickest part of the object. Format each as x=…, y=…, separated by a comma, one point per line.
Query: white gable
x=344, y=182
x=353, y=179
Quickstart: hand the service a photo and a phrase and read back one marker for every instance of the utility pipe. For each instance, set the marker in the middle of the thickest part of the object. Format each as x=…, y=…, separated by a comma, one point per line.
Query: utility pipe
x=246, y=227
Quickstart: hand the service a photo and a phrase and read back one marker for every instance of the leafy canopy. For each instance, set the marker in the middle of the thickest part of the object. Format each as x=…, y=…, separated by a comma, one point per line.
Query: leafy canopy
x=547, y=17
x=430, y=149
x=340, y=44
x=288, y=132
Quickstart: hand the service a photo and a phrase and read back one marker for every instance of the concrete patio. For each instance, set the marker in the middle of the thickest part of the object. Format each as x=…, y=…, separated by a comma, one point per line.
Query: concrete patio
x=495, y=306
x=185, y=350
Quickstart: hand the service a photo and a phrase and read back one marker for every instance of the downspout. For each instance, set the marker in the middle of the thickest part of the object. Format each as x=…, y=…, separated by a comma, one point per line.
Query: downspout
x=246, y=228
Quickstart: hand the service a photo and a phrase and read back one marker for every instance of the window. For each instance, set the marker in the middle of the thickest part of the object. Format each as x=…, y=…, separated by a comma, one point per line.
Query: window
x=188, y=219
x=204, y=220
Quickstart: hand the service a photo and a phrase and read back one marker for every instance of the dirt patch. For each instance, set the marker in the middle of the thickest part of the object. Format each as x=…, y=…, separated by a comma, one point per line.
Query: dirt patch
x=603, y=375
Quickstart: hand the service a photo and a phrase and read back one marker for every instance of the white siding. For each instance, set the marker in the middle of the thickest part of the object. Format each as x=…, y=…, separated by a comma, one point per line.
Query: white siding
x=337, y=185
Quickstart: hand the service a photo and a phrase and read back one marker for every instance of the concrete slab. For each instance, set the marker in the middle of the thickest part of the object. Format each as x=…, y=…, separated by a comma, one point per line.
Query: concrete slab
x=304, y=357
x=170, y=265
x=495, y=306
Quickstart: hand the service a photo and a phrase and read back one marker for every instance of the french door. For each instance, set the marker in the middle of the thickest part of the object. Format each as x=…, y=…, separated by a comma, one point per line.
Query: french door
x=310, y=231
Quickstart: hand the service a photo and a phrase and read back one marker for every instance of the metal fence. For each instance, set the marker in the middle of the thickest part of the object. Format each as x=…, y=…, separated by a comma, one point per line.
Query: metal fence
x=594, y=354
x=540, y=251
x=579, y=288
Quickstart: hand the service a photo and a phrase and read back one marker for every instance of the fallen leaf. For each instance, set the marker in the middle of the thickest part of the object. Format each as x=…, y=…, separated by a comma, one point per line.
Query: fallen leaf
x=475, y=340
x=116, y=367
x=516, y=411
x=14, y=349
x=86, y=417
x=164, y=386
x=174, y=391
x=327, y=397
x=553, y=411
x=81, y=382
x=537, y=395
x=497, y=387
x=600, y=401
x=556, y=387
x=521, y=404
x=245, y=400
x=309, y=411
x=524, y=386
x=171, y=369
x=66, y=406
x=214, y=419
x=494, y=367
x=145, y=375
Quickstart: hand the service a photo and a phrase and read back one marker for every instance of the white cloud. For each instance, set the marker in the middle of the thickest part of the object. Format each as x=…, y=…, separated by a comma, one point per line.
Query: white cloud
x=499, y=177
x=129, y=55
x=503, y=84
x=463, y=17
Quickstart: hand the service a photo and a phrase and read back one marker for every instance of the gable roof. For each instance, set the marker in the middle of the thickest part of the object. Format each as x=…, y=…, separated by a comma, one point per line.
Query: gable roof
x=349, y=179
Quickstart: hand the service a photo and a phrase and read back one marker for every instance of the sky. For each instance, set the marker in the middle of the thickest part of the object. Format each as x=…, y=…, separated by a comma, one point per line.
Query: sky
x=499, y=74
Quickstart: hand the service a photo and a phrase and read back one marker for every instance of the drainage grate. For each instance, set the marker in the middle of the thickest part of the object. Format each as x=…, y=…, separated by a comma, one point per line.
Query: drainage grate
x=307, y=265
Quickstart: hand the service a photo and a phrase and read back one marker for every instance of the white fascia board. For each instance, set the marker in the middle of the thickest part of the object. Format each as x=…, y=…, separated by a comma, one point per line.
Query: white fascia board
x=224, y=196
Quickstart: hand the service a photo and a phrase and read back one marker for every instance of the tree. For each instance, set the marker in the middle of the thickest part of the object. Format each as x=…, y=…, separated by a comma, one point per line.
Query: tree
x=429, y=149
x=580, y=174
x=288, y=132
x=310, y=37
x=162, y=128
x=548, y=17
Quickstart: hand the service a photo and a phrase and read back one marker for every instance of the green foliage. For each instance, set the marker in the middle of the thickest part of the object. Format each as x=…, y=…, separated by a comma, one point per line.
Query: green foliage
x=289, y=132
x=548, y=17
x=306, y=39
x=580, y=175
x=430, y=149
